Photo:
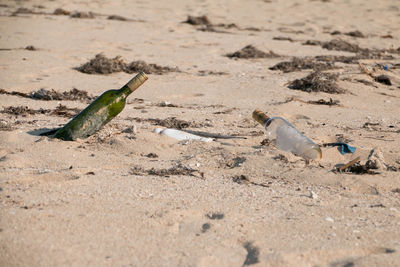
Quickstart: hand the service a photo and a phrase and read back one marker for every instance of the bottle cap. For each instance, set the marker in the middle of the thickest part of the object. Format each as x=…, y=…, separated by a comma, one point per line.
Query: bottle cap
x=137, y=81
x=260, y=117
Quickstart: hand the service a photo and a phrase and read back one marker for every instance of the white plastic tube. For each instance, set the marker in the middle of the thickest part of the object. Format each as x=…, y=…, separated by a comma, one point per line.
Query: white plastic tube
x=181, y=135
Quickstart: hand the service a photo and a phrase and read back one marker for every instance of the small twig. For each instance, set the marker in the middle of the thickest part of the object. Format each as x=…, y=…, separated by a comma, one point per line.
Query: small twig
x=351, y=162
x=364, y=69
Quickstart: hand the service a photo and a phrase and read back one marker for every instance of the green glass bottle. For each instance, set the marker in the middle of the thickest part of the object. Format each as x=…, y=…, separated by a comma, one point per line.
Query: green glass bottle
x=99, y=112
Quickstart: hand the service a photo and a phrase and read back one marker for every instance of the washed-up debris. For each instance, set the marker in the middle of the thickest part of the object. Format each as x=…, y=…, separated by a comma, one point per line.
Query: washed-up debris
x=181, y=135
x=341, y=45
x=82, y=15
x=60, y=110
x=102, y=110
x=73, y=94
x=44, y=94
x=215, y=216
x=372, y=165
x=103, y=65
x=329, y=102
x=250, y=51
x=175, y=170
x=361, y=53
x=342, y=59
x=298, y=64
x=317, y=82
x=312, y=42
x=24, y=10
x=200, y=20
x=356, y=34
x=210, y=72
x=243, y=179
x=30, y=48
x=287, y=137
x=117, y=17
x=283, y=38
x=342, y=147
x=384, y=79
x=172, y=122
x=214, y=135
x=62, y=12
x=204, y=24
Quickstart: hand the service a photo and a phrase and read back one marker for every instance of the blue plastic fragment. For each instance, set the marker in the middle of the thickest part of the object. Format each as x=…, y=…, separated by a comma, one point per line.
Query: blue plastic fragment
x=385, y=67
x=344, y=148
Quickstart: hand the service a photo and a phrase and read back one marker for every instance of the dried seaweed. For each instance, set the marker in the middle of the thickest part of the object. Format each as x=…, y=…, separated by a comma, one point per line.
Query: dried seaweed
x=250, y=51
x=60, y=110
x=62, y=12
x=312, y=42
x=44, y=94
x=357, y=34
x=298, y=64
x=283, y=38
x=341, y=45
x=329, y=102
x=172, y=122
x=82, y=15
x=343, y=59
x=175, y=170
x=200, y=20
x=317, y=82
x=103, y=65
x=117, y=17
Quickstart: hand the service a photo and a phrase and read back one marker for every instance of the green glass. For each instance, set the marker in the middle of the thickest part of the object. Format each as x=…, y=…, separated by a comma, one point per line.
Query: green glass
x=99, y=112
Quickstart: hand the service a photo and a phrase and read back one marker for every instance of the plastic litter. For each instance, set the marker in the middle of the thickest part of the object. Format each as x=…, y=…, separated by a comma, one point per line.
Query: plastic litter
x=286, y=137
x=342, y=147
x=181, y=135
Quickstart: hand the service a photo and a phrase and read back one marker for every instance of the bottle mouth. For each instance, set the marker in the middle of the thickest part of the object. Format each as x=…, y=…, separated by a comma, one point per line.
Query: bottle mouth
x=313, y=153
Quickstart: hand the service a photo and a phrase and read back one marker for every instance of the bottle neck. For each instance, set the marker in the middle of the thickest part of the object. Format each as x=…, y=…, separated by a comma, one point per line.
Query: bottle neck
x=133, y=84
x=261, y=117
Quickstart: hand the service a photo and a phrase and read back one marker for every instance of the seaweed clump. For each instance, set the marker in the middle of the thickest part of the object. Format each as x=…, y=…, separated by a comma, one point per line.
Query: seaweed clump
x=250, y=51
x=317, y=82
x=298, y=64
x=100, y=64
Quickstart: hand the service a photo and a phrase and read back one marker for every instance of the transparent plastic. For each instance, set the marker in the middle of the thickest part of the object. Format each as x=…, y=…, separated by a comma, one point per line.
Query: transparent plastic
x=287, y=138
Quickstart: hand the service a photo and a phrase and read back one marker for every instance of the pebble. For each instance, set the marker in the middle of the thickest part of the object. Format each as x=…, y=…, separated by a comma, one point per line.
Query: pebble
x=329, y=219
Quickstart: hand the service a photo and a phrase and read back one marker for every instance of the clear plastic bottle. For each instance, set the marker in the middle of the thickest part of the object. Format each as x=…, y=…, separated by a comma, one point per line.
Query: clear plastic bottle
x=286, y=137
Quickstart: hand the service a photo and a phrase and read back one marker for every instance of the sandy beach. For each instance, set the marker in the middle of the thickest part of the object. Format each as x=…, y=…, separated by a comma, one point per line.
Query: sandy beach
x=127, y=196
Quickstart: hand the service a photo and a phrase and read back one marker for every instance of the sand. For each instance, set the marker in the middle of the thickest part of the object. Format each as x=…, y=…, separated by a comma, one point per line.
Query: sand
x=130, y=197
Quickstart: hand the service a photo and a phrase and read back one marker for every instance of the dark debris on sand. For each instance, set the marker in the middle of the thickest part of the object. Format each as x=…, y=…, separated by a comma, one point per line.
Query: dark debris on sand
x=297, y=64
x=117, y=17
x=317, y=82
x=250, y=51
x=73, y=94
x=61, y=12
x=356, y=34
x=44, y=94
x=173, y=122
x=82, y=15
x=200, y=20
x=103, y=65
x=175, y=170
x=361, y=53
x=329, y=102
x=60, y=110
